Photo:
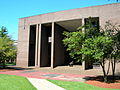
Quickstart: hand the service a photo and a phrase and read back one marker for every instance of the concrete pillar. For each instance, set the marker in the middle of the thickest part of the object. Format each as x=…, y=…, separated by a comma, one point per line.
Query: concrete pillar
x=52, y=46
x=27, y=29
x=36, y=48
x=39, y=46
x=83, y=23
x=83, y=30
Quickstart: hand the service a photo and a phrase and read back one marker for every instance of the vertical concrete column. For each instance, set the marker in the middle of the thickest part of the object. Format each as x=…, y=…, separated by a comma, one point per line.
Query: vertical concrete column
x=52, y=45
x=28, y=39
x=83, y=62
x=39, y=46
x=36, y=47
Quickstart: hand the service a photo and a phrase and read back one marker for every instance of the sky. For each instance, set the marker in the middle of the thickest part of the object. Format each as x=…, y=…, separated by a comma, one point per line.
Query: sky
x=12, y=10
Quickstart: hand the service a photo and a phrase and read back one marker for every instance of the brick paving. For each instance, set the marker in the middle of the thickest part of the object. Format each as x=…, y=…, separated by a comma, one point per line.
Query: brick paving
x=47, y=75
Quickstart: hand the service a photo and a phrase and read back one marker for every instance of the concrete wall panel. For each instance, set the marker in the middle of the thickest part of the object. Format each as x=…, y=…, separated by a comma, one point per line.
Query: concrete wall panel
x=23, y=46
x=104, y=11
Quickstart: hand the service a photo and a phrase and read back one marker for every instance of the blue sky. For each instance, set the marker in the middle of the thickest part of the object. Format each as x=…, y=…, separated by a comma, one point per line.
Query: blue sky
x=12, y=10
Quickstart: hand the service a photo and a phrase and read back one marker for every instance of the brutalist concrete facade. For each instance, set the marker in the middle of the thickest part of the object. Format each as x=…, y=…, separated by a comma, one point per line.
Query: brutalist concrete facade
x=40, y=37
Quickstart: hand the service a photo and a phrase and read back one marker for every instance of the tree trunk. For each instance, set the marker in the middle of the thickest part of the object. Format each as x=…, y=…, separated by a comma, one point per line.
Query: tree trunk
x=113, y=62
x=3, y=63
x=114, y=69
x=104, y=73
x=108, y=68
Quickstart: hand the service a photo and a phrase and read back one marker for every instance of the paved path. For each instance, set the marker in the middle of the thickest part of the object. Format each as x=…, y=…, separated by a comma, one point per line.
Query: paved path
x=37, y=78
x=47, y=75
x=42, y=84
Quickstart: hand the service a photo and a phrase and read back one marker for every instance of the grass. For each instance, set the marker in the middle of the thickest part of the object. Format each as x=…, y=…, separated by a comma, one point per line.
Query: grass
x=12, y=82
x=8, y=64
x=70, y=85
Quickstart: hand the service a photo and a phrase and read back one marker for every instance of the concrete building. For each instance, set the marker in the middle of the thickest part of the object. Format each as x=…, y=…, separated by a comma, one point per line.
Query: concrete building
x=40, y=37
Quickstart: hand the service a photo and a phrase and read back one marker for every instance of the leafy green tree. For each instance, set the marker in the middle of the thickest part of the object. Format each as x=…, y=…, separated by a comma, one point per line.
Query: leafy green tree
x=98, y=48
x=7, y=47
x=3, y=32
x=115, y=0
x=95, y=45
x=74, y=40
x=113, y=30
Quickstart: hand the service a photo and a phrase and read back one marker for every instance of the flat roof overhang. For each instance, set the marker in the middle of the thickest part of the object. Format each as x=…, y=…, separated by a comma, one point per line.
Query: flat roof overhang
x=70, y=25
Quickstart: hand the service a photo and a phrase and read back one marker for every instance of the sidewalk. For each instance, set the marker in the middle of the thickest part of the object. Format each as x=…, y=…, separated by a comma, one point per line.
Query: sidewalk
x=42, y=84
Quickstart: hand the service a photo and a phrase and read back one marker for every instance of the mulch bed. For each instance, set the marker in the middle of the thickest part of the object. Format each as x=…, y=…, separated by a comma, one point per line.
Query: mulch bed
x=98, y=81
x=104, y=85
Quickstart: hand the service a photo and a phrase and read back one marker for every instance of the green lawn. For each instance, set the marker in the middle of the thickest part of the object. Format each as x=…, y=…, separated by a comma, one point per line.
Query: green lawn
x=12, y=82
x=69, y=85
x=8, y=64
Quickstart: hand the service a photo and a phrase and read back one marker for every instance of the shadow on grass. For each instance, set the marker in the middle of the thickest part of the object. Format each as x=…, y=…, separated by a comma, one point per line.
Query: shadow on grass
x=100, y=78
x=9, y=68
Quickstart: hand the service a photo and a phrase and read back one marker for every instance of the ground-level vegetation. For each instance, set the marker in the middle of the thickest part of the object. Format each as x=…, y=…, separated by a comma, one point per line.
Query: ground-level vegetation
x=77, y=85
x=12, y=82
x=8, y=49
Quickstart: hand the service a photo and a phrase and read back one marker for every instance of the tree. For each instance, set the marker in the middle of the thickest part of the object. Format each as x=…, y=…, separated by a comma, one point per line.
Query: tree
x=98, y=48
x=115, y=0
x=7, y=47
x=3, y=32
x=112, y=30
x=95, y=45
x=74, y=40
